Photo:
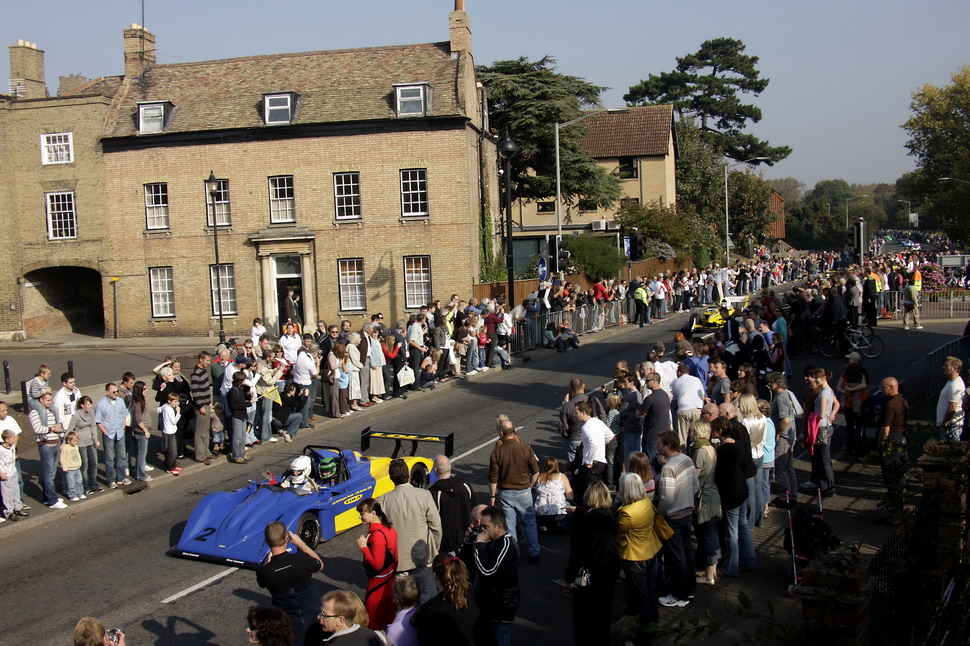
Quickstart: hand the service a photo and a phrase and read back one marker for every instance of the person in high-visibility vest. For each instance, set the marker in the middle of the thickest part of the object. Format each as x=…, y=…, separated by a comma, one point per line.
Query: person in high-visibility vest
x=641, y=297
x=917, y=279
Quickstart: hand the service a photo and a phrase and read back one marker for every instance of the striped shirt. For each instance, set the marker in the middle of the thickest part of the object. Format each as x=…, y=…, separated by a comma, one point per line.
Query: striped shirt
x=678, y=486
x=200, y=387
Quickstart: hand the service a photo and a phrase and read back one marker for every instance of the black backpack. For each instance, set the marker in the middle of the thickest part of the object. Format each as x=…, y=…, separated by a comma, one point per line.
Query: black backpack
x=813, y=536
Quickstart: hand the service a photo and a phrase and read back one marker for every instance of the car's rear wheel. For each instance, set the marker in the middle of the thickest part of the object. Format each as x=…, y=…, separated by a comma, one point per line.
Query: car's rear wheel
x=419, y=477
x=308, y=529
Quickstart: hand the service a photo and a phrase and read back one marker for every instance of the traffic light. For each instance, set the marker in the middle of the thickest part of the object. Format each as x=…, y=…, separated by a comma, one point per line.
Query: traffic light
x=562, y=254
x=850, y=236
x=638, y=246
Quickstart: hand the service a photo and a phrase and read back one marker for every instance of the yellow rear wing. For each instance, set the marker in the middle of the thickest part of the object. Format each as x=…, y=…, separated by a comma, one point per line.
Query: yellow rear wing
x=367, y=434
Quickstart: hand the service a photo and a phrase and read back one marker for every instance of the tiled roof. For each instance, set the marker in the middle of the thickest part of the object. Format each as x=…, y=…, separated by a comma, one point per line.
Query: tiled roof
x=333, y=86
x=642, y=131
x=104, y=86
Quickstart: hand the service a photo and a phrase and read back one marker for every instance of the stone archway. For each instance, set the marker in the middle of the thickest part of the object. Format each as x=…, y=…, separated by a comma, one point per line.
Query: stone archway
x=61, y=300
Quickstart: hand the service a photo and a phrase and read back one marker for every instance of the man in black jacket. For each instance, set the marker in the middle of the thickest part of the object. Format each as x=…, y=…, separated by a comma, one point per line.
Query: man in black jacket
x=454, y=500
x=492, y=558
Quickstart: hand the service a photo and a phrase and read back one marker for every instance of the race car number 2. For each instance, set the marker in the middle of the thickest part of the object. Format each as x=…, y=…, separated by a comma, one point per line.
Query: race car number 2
x=206, y=533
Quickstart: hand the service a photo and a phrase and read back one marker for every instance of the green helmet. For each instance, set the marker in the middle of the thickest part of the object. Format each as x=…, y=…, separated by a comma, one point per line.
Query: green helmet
x=327, y=469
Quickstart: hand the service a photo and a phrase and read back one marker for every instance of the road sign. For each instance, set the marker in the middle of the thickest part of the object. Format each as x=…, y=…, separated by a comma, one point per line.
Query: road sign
x=543, y=269
x=626, y=246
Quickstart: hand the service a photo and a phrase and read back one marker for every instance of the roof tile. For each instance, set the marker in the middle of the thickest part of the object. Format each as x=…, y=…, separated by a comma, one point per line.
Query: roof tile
x=642, y=131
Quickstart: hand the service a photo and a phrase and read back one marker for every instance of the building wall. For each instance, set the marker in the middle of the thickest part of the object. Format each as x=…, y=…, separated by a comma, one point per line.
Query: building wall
x=382, y=237
x=24, y=183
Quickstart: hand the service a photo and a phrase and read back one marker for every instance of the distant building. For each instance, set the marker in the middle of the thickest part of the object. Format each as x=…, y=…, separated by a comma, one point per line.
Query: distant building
x=361, y=179
x=640, y=146
x=776, y=230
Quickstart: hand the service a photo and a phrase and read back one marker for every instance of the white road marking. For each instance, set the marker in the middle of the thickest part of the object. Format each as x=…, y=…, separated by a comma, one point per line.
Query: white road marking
x=470, y=451
x=199, y=586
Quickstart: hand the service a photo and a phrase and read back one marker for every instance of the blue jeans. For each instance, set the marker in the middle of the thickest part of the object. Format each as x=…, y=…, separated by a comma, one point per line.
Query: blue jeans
x=678, y=556
x=471, y=358
x=141, y=453
x=571, y=447
x=517, y=505
x=631, y=444
x=73, y=483
x=264, y=413
x=650, y=448
x=738, y=548
x=238, y=439
x=502, y=630
x=292, y=424
x=48, y=468
x=308, y=404
x=89, y=467
x=755, y=513
x=116, y=458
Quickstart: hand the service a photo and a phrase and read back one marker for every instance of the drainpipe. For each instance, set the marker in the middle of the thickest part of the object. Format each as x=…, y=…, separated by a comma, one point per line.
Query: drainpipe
x=114, y=296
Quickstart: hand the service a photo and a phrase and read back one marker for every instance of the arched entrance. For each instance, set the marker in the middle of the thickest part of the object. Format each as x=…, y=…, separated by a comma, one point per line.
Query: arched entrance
x=59, y=300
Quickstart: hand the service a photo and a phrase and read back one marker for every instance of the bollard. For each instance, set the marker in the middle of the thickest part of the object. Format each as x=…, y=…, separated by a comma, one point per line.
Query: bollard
x=26, y=397
x=6, y=375
x=70, y=368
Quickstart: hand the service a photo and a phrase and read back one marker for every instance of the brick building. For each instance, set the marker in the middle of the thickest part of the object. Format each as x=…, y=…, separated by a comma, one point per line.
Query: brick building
x=639, y=145
x=361, y=179
x=776, y=229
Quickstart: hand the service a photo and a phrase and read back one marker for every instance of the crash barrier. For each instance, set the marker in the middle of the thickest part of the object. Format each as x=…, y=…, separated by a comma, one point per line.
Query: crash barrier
x=949, y=304
x=582, y=320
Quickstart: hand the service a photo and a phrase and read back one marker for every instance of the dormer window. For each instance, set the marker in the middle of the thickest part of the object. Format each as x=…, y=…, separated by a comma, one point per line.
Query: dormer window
x=412, y=99
x=152, y=117
x=278, y=108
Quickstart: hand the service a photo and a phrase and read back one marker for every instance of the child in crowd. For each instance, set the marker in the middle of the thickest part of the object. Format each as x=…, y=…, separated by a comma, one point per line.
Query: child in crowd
x=70, y=459
x=37, y=387
x=217, y=428
x=13, y=506
x=257, y=331
x=168, y=419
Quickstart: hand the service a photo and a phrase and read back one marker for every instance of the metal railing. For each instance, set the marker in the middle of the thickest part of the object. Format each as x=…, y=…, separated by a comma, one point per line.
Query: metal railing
x=949, y=304
x=582, y=320
x=896, y=571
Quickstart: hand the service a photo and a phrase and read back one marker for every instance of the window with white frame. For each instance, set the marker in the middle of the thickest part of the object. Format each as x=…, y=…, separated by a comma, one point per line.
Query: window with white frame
x=151, y=117
x=346, y=195
x=156, y=205
x=412, y=100
x=278, y=108
x=222, y=281
x=350, y=278
x=414, y=192
x=61, y=216
x=282, y=205
x=162, y=291
x=417, y=281
x=57, y=148
x=221, y=206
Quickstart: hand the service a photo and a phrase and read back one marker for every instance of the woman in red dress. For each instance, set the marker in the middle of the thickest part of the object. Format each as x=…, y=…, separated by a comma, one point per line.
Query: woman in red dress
x=379, y=547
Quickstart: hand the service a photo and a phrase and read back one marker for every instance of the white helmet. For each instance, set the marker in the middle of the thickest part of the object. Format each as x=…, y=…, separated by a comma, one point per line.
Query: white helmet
x=300, y=469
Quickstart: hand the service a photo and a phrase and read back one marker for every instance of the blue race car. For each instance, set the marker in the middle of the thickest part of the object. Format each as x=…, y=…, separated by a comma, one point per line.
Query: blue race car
x=227, y=526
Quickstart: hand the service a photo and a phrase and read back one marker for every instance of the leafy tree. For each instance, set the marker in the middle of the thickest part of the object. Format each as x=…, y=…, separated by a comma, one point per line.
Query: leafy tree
x=700, y=174
x=939, y=139
x=792, y=190
x=528, y=98
x=749, y=206
x=596, y=257
x=678, y=226
x=707, y=84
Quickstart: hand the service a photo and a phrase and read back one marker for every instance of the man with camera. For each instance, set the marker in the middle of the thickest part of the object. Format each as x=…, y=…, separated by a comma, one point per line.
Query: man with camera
x=492, y=557
x=289, y=576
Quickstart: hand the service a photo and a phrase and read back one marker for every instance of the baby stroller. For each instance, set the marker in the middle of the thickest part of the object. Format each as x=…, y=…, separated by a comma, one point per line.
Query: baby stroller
x=807, y=537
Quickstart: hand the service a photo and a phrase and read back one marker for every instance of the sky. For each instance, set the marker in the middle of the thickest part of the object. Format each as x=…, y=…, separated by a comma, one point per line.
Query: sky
x=842, y=71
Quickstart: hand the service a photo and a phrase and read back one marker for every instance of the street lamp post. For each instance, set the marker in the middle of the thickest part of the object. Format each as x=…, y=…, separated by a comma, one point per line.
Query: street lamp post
x=727, y=225
x=559, y=126
x=507, y=148
x=857, y=197
x=212, y=186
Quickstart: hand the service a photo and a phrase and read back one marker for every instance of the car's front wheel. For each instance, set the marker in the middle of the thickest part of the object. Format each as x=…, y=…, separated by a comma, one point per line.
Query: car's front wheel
x=419, y=477
x=308, y=529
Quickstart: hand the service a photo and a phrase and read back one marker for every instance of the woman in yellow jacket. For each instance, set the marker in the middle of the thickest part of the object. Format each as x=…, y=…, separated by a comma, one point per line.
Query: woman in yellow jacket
x=638, y=546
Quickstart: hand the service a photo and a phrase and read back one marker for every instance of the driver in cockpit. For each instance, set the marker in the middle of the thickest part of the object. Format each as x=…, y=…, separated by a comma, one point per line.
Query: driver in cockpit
x=299, y=475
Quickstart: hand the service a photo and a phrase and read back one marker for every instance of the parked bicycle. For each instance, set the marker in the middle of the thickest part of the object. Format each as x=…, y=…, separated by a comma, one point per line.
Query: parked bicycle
x=862, y=340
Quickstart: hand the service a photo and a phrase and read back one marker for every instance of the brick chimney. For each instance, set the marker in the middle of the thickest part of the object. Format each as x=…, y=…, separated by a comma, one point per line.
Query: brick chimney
x=70, y=83
x=139, y=50
x=27, y=71
x=459, y=29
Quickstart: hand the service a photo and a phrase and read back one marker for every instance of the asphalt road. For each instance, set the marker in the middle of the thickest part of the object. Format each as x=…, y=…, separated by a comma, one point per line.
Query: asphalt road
x=109, y=560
